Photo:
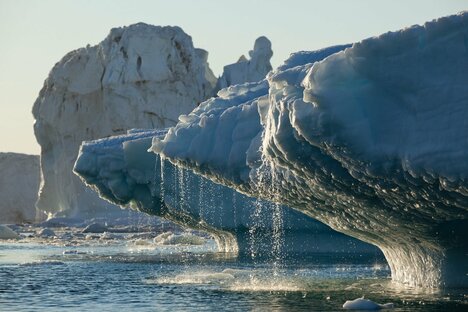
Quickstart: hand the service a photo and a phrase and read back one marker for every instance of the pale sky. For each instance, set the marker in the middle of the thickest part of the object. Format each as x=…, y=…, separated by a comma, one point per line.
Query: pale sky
x=36, y=34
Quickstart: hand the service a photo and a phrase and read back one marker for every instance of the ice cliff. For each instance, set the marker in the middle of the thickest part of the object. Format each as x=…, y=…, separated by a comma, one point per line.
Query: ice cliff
x=371, y=141
x=19, y=183
x=139, y=76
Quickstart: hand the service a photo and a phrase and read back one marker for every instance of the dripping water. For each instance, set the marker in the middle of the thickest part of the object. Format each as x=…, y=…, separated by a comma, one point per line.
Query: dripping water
x=162, y=188
x=201, y=199
x=277, y=224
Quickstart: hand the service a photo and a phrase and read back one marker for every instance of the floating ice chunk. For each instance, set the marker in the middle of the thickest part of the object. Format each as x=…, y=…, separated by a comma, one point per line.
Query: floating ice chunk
x=46, y=233
x=74, y=252
x=170, y=238
x=42, y=262
x=365, y=304
x=108, y=236
x=61, y=222
x=142, y=242
x=95, y=228
x=195, y=278
x=7, y=233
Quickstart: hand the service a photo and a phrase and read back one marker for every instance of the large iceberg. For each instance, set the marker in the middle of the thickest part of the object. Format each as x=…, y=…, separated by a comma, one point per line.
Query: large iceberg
x=19, y=183
x=371, y=141
x=139, y=76
x=123, y=172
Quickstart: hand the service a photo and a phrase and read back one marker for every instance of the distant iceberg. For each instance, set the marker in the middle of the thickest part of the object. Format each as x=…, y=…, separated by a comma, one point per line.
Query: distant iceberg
x=19, y=185
x=140, y=76
x=370, y=140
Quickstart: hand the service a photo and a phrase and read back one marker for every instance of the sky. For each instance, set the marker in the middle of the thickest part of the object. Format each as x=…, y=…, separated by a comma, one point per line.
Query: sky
x=36, y=34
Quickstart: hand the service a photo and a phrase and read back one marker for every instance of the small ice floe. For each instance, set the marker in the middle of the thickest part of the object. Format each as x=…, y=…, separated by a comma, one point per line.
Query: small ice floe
x=108, y=236
x=89, y=237
x=42, y=262
x=60, y=222
x=74, y=252
x=95, y=228
x=170, y=238
x=46, y=233
x=365, y=304
x=148, y=235
x=67, y=236
x=125, y=229
x=195, y=278
x=142, y=242
x=7, y=233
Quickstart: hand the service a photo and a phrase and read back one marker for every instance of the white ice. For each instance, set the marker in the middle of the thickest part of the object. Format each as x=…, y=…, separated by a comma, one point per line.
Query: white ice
x=365, y=304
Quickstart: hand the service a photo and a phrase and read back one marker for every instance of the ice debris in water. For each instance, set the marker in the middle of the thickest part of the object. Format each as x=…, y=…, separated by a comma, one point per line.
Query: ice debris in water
x=95, y=228
x=46, y=233
x=365, y=304
x=7, y=233
x=169, y=238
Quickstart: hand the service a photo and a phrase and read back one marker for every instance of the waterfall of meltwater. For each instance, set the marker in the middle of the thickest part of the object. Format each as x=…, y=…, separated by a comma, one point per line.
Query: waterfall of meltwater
x=180, y=204
x=264, y=212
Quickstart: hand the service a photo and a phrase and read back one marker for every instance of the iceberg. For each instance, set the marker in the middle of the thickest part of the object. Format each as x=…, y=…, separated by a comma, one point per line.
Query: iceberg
x=138, y=76
x=19, y=184
x=7, y=233
x=370, y=140
x=248, y=70
x=365, y=304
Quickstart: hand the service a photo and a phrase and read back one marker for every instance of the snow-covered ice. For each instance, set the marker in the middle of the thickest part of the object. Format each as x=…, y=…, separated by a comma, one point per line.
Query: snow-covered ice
x=46, y=233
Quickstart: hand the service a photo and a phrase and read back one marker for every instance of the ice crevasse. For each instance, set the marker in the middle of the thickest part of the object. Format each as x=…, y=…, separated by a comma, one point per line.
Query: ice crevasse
x=371, y=141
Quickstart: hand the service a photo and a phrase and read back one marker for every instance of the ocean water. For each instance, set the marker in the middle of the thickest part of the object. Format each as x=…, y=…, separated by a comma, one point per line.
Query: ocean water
x=120, y=272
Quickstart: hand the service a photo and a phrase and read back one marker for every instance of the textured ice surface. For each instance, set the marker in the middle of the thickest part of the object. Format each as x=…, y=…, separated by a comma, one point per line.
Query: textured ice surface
x=122, y=171
x=19, y=184
x=370, y=140
x=139, y=76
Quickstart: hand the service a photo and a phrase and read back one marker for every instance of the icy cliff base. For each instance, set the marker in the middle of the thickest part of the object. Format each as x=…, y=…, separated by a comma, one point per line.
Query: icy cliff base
x=19, y=184
x=122, y=171
x=140, y=76
x=371, y=141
